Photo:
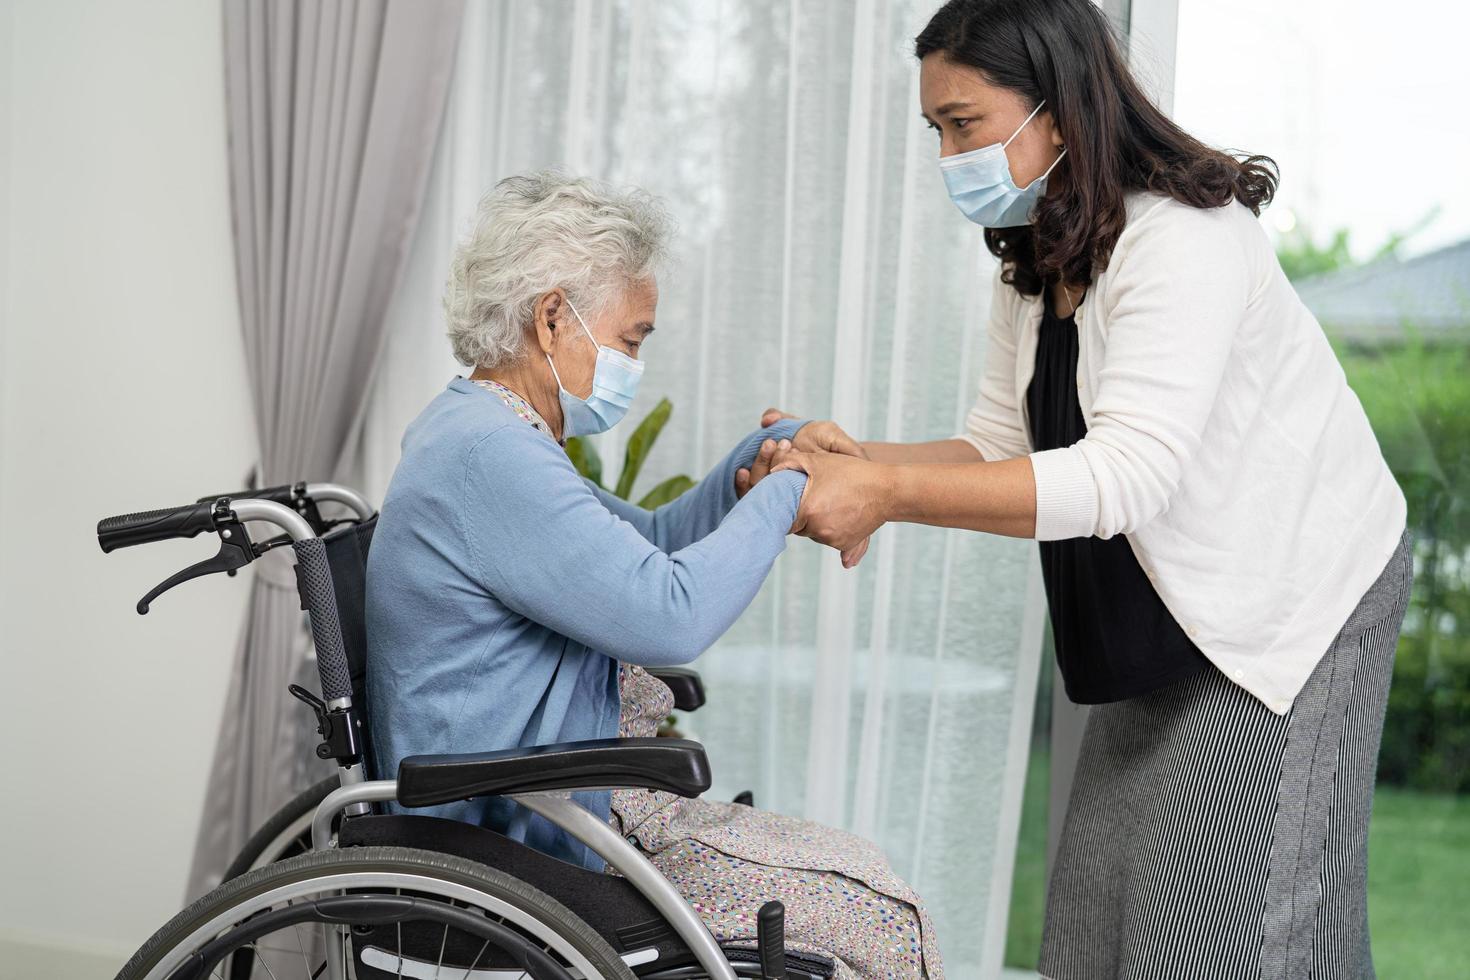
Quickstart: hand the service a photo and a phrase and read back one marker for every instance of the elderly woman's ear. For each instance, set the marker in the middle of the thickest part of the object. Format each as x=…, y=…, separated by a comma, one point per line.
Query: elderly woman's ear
x=550, y=318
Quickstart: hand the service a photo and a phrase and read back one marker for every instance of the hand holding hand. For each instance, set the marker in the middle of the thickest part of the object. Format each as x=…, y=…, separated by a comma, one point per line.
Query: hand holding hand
x=842, y=504
x=759, y=467
x=814, y=437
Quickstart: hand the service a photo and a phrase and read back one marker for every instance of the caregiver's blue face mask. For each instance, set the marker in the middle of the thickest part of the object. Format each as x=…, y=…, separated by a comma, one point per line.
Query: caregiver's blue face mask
x=980, y=183
x=614, y=383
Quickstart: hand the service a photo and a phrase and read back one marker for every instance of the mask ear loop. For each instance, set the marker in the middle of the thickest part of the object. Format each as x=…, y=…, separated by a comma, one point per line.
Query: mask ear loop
x=1018, y=132
x=554, y=374
x=581, y=321
x=1047, y=172
x=1024, y=124
x=1052, y=167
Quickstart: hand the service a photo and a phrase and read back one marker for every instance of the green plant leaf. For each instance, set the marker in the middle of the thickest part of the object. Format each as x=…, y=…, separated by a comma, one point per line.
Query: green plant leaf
x=665, y=491
x=640, y=444
x=584, y=457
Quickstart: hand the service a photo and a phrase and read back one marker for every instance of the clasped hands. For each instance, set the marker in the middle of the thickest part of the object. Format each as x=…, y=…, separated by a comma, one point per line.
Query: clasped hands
x=842, y=504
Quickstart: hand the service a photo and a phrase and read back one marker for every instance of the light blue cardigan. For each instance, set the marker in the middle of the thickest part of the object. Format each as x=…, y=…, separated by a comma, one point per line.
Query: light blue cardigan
x=502, y=590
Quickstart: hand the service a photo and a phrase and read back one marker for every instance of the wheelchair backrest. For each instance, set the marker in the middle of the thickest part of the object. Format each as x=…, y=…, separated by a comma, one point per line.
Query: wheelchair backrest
x=346, y=550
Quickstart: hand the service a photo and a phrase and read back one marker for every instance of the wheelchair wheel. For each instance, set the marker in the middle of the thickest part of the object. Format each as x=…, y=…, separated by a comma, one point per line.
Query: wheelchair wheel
x=286, y=834
x=408, y=913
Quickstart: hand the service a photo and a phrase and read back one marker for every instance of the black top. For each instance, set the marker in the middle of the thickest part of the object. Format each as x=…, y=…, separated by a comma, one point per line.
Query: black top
x=1114, y=638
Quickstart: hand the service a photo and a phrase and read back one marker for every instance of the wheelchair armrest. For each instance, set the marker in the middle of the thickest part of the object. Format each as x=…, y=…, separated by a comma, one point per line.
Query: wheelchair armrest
x=673, y=764
x=685, y=683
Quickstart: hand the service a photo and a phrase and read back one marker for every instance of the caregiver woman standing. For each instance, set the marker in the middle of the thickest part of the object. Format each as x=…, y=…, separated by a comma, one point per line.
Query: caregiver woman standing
x=1223, y=547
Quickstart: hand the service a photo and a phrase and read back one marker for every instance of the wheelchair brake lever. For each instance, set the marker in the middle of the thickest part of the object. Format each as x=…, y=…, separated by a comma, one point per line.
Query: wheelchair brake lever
x=235, y=552
x=269, y=544
x=771, y=940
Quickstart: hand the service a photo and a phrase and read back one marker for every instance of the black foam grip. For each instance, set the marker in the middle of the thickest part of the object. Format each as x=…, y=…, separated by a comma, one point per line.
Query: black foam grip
x=771, y=938
x=314, y=579
x=148, y=526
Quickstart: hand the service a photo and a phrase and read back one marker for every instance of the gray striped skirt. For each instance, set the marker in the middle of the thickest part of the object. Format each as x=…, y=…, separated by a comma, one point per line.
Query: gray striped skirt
x=1208, y=837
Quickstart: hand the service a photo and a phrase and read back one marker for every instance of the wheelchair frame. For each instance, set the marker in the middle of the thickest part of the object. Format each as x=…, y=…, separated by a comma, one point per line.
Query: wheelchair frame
x=661, y=763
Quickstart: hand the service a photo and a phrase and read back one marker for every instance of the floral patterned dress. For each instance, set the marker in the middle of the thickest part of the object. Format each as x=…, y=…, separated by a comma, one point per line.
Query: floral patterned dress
x=727, y=859
x=842, y=900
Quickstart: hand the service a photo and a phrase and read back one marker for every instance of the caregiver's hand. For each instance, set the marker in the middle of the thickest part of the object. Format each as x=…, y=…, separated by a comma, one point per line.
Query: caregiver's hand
x=824, y=437
x=842, y=503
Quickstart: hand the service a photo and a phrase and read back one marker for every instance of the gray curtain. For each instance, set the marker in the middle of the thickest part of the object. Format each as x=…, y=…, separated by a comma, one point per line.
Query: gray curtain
x=333, y=110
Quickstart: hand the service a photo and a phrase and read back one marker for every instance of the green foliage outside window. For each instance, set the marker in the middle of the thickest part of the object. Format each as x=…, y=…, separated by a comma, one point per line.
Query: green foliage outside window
x=1417, y=397
x=1301, y=255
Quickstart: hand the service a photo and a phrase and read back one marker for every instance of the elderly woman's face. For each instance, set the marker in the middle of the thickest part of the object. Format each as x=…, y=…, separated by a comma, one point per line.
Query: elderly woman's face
x=623, y=323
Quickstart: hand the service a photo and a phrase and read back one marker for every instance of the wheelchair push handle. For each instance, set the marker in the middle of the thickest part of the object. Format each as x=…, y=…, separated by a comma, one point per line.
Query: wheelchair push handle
x=225, y=517
x=293, y=494
x=145, y=527
x=305, y=498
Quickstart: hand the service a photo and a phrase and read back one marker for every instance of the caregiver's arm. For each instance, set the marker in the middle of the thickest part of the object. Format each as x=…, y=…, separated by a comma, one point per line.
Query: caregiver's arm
x=828, y=437
x=1178, y=297
x=544, y=545
x=701, y=508
x=938, y=451
x=847, y=499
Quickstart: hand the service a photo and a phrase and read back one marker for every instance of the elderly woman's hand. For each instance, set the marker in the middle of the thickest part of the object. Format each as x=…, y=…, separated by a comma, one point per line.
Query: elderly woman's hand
x=824, y=437
x=760, y=466
x=842, y=504
x=814, y=437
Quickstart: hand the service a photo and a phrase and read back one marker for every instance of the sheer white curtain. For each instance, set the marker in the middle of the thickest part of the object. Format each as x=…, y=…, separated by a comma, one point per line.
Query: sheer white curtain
x=820, y=267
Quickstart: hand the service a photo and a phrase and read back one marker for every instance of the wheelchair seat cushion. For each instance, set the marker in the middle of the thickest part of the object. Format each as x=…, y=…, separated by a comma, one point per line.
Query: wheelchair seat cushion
x=674, y=765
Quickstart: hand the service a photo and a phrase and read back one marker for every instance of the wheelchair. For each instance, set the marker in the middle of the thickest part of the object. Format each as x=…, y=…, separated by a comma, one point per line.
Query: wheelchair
x=335, y=886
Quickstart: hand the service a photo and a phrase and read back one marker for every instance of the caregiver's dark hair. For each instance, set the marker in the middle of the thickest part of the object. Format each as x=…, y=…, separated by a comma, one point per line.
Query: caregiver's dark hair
x=1064, y=51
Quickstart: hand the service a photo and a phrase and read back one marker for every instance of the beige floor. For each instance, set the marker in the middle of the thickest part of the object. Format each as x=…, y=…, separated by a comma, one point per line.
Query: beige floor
x=24, y=957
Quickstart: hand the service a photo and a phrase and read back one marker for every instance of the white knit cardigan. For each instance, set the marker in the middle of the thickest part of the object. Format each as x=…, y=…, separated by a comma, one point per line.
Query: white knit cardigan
x=1222, y=439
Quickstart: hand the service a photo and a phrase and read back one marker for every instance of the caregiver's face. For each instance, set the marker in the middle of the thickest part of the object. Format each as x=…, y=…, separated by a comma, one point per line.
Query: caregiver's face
x=969, y=112
x=623, y=323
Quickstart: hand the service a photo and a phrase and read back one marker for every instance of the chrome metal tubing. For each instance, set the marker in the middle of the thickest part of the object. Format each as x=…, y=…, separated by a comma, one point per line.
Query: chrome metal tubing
x=250, y=509
x=354, y=797
x=353, y=775
x=627, y=859
x=338, y=800
x=337, y=493
x=570, y=816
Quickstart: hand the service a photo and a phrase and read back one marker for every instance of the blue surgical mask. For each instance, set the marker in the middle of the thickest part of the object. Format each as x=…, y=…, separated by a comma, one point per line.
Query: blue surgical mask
x=614, y=383
x=980, y=183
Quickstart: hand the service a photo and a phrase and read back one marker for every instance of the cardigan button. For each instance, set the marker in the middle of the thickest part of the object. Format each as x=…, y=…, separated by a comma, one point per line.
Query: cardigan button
x=1239, y=674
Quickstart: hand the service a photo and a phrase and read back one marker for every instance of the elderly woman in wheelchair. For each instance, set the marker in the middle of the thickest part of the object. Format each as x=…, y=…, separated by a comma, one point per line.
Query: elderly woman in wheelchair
x=503, y=624
x=512, y=603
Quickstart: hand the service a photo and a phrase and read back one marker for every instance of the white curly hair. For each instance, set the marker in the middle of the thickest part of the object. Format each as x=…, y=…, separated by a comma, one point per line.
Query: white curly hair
x=534, y=233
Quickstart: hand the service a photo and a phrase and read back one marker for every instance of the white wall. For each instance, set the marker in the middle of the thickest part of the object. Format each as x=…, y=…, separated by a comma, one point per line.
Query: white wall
x=121, y=388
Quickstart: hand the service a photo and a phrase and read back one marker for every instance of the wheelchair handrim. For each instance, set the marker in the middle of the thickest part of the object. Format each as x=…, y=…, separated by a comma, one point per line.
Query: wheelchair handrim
x=339, y=881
